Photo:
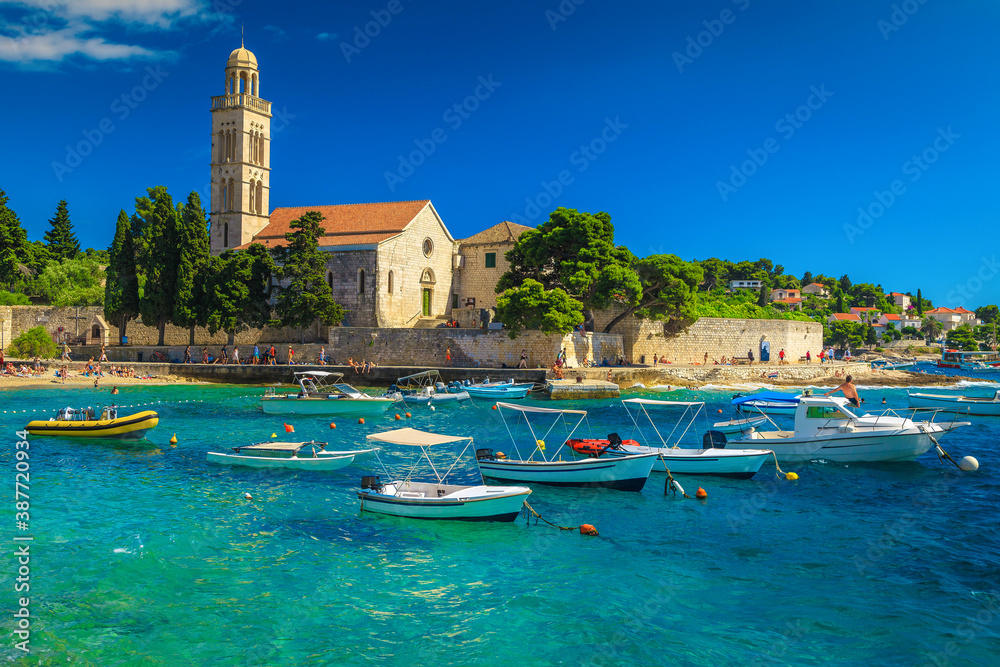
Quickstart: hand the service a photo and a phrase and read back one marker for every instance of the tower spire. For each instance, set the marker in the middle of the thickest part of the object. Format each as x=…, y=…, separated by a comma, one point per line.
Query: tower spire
x=241, y=36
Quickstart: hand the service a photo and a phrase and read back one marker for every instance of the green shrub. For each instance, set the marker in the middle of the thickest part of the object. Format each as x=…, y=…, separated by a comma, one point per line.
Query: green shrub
x=13, y=299
x=33, y=343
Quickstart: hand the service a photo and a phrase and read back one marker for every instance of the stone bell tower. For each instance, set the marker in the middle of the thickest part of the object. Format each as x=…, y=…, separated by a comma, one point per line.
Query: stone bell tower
x=241, y=155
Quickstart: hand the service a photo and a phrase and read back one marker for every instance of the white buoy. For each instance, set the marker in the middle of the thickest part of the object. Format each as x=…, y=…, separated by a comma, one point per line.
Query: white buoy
x=248, y=496
x=432, y=407
x=969, y=464
x=678, y=487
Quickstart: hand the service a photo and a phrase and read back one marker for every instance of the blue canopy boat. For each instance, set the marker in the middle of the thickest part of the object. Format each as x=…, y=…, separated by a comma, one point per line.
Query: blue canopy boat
x=767, y=402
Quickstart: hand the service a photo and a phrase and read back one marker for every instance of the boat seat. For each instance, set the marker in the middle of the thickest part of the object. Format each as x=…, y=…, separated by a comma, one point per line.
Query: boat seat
x=614, y=441
x=714, y=440
x=372, y=482
x=410, y=494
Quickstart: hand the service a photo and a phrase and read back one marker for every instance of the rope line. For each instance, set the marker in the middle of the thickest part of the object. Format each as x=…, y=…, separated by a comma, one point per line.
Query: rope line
x=529, y=508
x=669, y=484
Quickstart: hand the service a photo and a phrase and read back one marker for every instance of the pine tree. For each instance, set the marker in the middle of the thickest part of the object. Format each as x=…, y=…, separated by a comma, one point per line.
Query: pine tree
x=121, y=285
x=159, y=256
x=189, y=298
x=307, y=296
x=14, y=247
x=60, y=240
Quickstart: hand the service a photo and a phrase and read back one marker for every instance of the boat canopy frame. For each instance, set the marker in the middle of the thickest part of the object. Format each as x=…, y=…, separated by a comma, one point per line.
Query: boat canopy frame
x=524, y=411
x=695, y=408
x=421, y=379
x=411, y=437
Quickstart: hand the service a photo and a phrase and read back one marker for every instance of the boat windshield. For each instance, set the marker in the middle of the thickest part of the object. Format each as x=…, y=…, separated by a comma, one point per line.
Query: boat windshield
x=345, y=388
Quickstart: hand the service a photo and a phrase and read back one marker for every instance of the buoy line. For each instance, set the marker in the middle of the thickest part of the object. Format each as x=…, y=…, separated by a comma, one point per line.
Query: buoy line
x=670, y=484
x=136, y=405
x=584, y=528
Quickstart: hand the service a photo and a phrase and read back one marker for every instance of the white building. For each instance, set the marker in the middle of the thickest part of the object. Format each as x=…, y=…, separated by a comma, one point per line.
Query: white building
x=817, y=289
x=745, y=284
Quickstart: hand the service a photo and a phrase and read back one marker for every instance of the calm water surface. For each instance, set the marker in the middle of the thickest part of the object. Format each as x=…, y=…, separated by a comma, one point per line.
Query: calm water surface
x=145, y=554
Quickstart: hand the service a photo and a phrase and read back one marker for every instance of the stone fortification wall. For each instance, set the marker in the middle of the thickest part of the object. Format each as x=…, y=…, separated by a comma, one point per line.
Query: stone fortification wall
x=469, y=347
x=717, y=336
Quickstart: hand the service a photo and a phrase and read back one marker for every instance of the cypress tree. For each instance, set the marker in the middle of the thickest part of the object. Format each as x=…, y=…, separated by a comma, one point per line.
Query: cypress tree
x=840, y=301
x=189, y=298
x=159, y=256
x=765, y=292
x=307, y=295
x=121, y=286
x=920, y=304
x=60, y=240
x=14, y=246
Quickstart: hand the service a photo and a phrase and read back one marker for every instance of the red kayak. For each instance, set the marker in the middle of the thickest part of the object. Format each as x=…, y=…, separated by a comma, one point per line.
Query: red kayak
x=595, y=448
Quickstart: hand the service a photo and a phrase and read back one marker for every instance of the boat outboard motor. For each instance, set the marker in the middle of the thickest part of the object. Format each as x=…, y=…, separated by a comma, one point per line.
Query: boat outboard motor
x=372, y=482
x=714, y=440
x=485, y=455
x=614, y=441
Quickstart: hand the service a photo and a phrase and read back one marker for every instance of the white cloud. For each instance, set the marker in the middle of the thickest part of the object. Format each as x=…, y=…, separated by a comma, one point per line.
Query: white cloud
x=56, y=45
x=161, y=13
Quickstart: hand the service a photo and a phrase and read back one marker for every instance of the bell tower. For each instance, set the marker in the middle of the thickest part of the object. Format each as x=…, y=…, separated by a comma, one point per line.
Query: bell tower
x=241, y=155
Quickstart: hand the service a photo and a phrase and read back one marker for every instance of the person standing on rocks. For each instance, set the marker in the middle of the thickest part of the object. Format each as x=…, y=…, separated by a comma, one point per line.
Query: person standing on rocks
x=524, y=359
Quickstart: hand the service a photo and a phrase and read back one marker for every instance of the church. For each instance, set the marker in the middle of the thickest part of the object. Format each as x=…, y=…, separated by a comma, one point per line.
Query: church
x=390, y=264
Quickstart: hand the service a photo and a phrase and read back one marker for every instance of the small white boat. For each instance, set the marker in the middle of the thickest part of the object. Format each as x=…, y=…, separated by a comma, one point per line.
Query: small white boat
x=323, y=393
x=767, y=403
x=714, y=458
x=310, y=455
x=492, y=390
x=985, y=406
x=734, y=426
x=625, y=473
x=424, y=388
x=436, y=499
x=826, y=427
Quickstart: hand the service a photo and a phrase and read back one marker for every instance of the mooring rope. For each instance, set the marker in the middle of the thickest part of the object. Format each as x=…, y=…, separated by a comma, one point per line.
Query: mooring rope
x=528, y=508
x=670, y=484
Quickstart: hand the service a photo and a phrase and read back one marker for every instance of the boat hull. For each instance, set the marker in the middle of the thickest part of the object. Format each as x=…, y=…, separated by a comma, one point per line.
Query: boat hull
x=734, y=463
x=284, y=405
x=984, y=408
x=132, y=427
x=849, y=448
x=627, y=473
x=294, y=462
x=503, y=393
x=435, y=399
x=478, y=503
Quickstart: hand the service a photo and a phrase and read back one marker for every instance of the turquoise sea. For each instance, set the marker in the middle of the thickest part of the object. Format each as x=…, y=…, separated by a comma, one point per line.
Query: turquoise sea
x=144, y=554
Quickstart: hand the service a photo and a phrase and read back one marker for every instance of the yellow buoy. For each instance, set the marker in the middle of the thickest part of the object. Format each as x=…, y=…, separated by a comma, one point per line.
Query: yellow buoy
x=791, y=476
x=541, y=445
x=173, y=440
x=274, y=435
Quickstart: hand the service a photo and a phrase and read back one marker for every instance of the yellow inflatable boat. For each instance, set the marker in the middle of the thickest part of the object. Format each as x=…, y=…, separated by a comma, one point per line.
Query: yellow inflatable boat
x=83, y=423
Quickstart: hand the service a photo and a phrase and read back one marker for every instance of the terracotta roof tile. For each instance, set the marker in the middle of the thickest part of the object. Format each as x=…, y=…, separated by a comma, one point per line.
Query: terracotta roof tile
x=846, y=316
x=346, y=224
x=504, y=232
x=890, y=316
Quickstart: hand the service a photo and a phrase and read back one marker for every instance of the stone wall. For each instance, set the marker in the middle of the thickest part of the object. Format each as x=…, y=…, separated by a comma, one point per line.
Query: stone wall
x=469, y=347
x=717, y=336
x=474, y=280
x=344, y=271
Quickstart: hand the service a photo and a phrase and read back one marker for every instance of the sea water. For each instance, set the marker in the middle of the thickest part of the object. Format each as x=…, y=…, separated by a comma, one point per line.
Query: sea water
x=143, y=553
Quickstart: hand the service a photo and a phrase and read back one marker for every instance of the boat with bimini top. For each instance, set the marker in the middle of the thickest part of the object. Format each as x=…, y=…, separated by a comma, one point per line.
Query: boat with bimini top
x=323, y=393
x=424, y=388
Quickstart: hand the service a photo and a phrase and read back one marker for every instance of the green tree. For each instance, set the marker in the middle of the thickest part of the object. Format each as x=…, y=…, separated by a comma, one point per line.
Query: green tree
x=845, y=283
x=38, y=258
x=189, y=302
x=236, y=290
x=871, y=338
x=668, y=286
x=158, y=255
x=72, y=282
x=575, y=251
x=807, y=278
x=840, y=302
x=35, y=342
x=531, y=306
x=14, y=246
x=962, y=337
x=847, y=334
x=920, y=304
x=988, y=314
x=931, y=328
x=121, y=284
x=13, y=299
x=305, y=295
x=866, y=294
x=764, y=297
x=716, y=272
x=60, y=239
x=100, y=256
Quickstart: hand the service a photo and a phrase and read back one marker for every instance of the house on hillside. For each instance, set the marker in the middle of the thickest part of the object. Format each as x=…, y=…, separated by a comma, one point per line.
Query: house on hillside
x=895, y=320
x=745, y=284
x=779, y=294
x=791, y=303
x=843, y=317
x=952, y=318
x=901, y=300
x=866, y=314
x=817, y=289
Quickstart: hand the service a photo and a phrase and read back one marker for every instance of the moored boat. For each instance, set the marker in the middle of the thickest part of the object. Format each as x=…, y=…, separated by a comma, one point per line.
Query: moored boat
x=492, y=390
x=988, y=360
x=435, y=498
x=310, y=455
x=424, y=388
x=767, y=402
x=84, y=423
x=323, y=393
x=983, y=406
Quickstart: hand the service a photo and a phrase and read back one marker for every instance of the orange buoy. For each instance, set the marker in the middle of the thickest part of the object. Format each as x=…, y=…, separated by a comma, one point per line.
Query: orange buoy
x=397, y=416
x=701, y=494
x=494, y=407
x=408, y=415
x=361, y=420
x=289, y=428
x=587, y=529
x=720, y=411
x=332, y=425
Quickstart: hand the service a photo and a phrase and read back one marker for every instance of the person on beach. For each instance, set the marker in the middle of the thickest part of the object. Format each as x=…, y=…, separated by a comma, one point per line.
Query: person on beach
x=524, y=359
x=850, y=392
x=104, y=355
x=114, y=390
x=63, y=372
x=781, y=357
x=706, y=359
x=654, y=361
x=808, y=357
x=204, y=355
x=274, y=355
x=236, y=355
x=256, y=355
x=291, y=356
x=750, y=356
x=187, y=354
x=847, y=355
x=322, y=356
x=447, y=356
x=223, y=356
x=65, y=352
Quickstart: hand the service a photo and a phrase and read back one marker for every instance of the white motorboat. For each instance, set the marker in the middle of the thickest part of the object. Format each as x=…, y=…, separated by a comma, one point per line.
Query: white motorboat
x=492, y=390
x=435, y=499
x=767, y=403
x=713, y=458
x=310, y=455
x=828, y=428
x=626, y=473
x=985, y=406
x=424, y=388
x=323, y=393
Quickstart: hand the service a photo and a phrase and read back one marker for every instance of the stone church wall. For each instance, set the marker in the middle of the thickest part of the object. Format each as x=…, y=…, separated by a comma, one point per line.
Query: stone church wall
x=474, y=280
x=404, y=256
x=343, y=270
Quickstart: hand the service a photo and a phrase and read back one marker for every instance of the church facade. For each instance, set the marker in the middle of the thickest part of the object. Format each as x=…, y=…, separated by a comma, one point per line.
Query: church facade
x=390, y=264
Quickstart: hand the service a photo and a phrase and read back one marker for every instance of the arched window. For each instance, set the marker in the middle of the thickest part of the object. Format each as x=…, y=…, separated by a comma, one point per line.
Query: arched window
x=260, y=151
x=253, y=148
x=329, y=279
x=253, y=198
x=225, y=235
x=361, y=281
x=260, y=199
x=389, y=282
x=220, y=151
x=232, y=196
x=95, y=332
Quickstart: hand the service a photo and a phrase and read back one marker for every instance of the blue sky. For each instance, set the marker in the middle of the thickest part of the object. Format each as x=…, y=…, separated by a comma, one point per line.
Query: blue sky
x=738, y=129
